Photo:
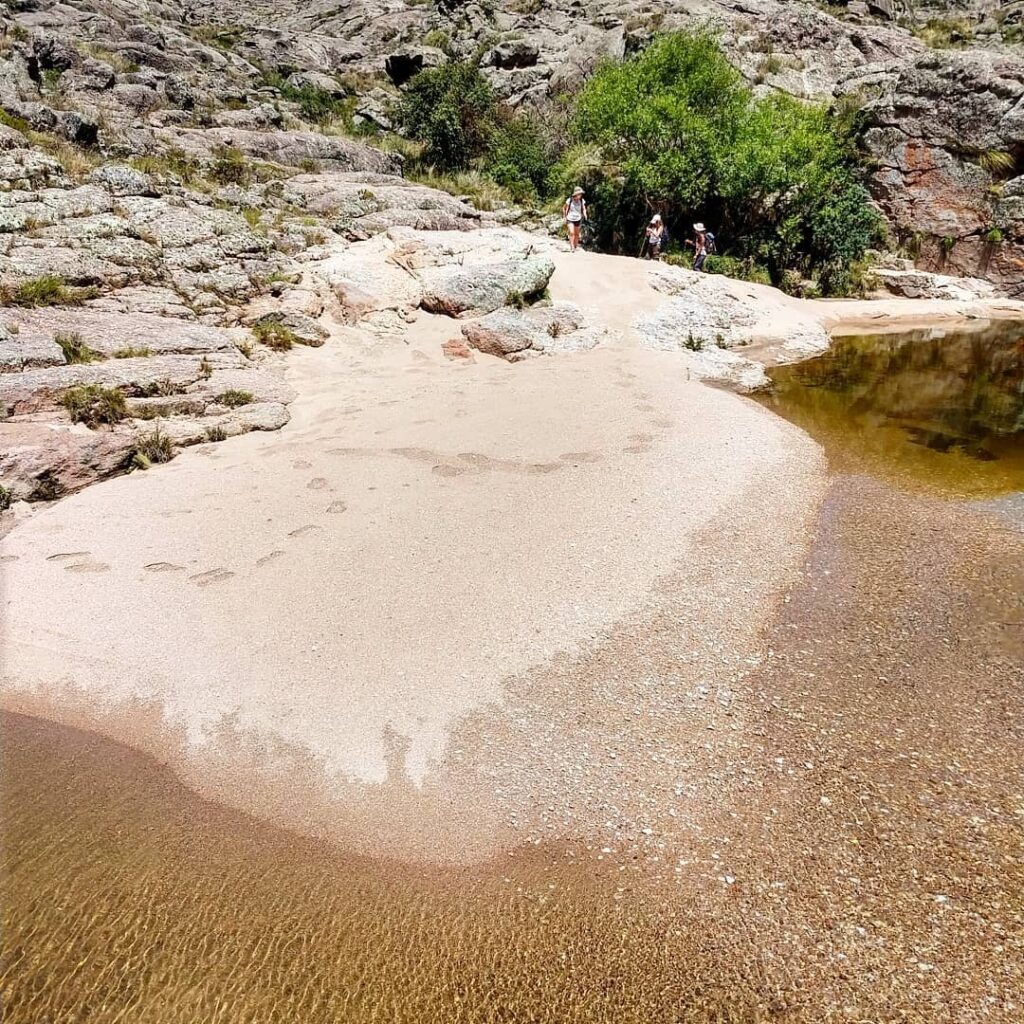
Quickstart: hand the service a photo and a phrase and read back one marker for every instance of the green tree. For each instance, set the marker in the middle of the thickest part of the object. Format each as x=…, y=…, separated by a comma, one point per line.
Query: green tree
x=518, y=156
x=675, y=129
x=451, y=109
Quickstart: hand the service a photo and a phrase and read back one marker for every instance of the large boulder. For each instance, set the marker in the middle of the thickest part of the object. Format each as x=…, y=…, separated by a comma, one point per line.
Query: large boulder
x=516, y=334
x=470, y=290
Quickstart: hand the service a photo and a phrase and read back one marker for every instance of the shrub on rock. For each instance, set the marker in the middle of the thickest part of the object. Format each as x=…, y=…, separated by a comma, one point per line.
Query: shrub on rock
x=94, y=405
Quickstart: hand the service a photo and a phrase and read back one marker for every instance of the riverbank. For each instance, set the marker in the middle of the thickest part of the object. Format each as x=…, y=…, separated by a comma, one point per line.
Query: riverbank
x=811, y=834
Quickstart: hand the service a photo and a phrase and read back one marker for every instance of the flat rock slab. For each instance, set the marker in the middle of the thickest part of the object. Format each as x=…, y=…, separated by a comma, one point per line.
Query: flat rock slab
x=34, y=390
x=290, y=148
x=108, y=332
x=23, y=352
x=365, y=204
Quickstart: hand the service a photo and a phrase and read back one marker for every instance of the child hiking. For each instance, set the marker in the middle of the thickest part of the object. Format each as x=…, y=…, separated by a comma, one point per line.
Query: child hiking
x=574, y=213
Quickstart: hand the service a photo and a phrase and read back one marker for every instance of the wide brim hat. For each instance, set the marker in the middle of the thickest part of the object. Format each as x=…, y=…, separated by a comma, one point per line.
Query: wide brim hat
x=698, y=226
x=577, y=191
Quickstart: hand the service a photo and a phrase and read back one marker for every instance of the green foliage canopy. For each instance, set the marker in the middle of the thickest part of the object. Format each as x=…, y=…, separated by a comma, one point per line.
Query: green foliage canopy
x=451, y=109
x=675, y=130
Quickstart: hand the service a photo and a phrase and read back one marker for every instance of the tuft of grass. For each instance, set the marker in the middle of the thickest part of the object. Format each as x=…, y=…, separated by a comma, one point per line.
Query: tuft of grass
x=222, y=37
x=173, y=162
x=693, y=344
x=122, y=65
x=205, y=367
x=132, y=352
x=216, y=434
x=517, y=300
x=275, y=336
x=230, y=167
x=19, y=124
x=152, y=448
x=945, y=33
x=472, y=186
x=439, y=39
x=233, y=398
x=996, y=161
x=48, y=290
x=6, y=498
x=163, y=388
x=253, y=217
x=245, y=347
x=75, y=349
x=94, y=405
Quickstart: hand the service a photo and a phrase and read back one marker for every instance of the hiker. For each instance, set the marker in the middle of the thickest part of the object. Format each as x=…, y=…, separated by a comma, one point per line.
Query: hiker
x=703, y=243
x=574, y=213
x=655, y=238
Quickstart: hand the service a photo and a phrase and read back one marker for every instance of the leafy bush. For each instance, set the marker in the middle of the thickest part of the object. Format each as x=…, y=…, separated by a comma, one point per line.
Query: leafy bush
x=675, y=129
x=316, y=105
x=518, y=157
x=451, y=109
x=94, y=405
x=6, y=498
x=75, y=349
x=132, y=352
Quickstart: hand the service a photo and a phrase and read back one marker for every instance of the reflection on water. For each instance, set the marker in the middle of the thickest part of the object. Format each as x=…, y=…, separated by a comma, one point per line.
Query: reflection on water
x=942, y=409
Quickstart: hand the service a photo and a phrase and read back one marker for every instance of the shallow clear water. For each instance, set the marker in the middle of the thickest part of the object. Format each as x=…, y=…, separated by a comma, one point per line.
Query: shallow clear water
x=935, y=409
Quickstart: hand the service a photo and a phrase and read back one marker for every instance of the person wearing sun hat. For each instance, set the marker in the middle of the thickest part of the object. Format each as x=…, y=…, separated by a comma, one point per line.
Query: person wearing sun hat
x=574, y=213
x=700, y=245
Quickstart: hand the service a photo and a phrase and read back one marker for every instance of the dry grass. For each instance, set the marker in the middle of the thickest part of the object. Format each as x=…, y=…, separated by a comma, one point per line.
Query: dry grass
x=94, y=405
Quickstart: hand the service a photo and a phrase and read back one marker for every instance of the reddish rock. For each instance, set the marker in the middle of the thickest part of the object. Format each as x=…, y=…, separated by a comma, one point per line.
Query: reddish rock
x=456, y=348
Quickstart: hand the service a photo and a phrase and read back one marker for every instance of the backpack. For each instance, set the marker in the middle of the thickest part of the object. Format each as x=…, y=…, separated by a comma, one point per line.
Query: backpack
x=709, y=242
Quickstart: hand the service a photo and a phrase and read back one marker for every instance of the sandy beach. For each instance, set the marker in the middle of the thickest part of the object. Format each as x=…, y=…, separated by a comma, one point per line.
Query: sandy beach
x=297, y=621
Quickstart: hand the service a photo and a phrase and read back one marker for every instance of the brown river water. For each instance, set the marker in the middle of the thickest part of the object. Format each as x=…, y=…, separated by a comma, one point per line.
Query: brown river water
x=862, y=858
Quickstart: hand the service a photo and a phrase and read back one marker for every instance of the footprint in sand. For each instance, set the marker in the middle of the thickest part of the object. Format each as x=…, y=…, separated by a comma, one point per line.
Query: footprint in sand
x=644, y=407
x=443, y=470
x=318, y=483
x=88, y=565
x=204, y=579
x=163, y=567
x=269, y=557
x=67, y=556
x=580, y=457
x=302, y=464
x=303, y=530
x=337, y=506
